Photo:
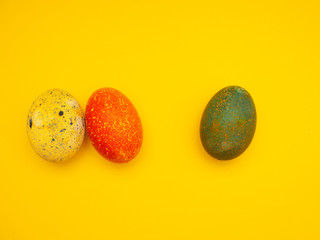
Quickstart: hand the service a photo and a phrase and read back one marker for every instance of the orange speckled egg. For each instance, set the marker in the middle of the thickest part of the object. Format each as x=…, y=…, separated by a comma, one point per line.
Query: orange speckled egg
x=113, y=125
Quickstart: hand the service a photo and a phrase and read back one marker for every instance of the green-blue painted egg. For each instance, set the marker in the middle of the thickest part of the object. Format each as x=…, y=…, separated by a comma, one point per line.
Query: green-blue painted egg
x=228, y=123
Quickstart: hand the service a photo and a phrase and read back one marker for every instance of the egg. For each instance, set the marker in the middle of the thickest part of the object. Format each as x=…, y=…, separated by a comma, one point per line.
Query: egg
x=228, y=123
x=113, y=125
x=55, y=125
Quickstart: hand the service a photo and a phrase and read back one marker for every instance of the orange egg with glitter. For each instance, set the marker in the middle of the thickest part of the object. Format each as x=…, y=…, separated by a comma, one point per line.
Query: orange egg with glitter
x=113, y=125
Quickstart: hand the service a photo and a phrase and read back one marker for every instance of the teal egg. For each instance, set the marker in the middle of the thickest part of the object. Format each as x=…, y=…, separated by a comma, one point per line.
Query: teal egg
x=228, y=123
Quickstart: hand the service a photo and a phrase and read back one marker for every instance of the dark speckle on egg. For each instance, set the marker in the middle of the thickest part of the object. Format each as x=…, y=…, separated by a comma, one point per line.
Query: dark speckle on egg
x=30, y=122
x=60, y=113
x=228, y=123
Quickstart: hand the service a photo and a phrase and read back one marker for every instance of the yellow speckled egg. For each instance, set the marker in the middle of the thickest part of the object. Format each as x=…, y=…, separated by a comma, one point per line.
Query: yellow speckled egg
x=56, y=125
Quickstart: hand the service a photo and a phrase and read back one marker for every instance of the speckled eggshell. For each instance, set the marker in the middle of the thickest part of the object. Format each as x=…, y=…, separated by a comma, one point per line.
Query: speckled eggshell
x=113, y=125
x=228, y=123
x=56, y=125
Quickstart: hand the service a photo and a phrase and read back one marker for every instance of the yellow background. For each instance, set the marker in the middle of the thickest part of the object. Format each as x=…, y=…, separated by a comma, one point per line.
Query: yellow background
x=169, y=58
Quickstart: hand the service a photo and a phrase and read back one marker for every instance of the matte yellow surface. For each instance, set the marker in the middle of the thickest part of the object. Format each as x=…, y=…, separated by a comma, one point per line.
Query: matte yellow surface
x=169, y=58
x=56, y=125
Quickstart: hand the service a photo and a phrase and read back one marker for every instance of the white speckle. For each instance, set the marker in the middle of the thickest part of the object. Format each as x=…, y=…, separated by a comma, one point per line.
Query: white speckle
x=240, y=90
x=36, y=119
x=73, y=103
x=79, y=123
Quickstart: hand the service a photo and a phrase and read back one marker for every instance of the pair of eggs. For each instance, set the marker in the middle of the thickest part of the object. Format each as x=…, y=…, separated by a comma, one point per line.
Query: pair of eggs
x=56, y=124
